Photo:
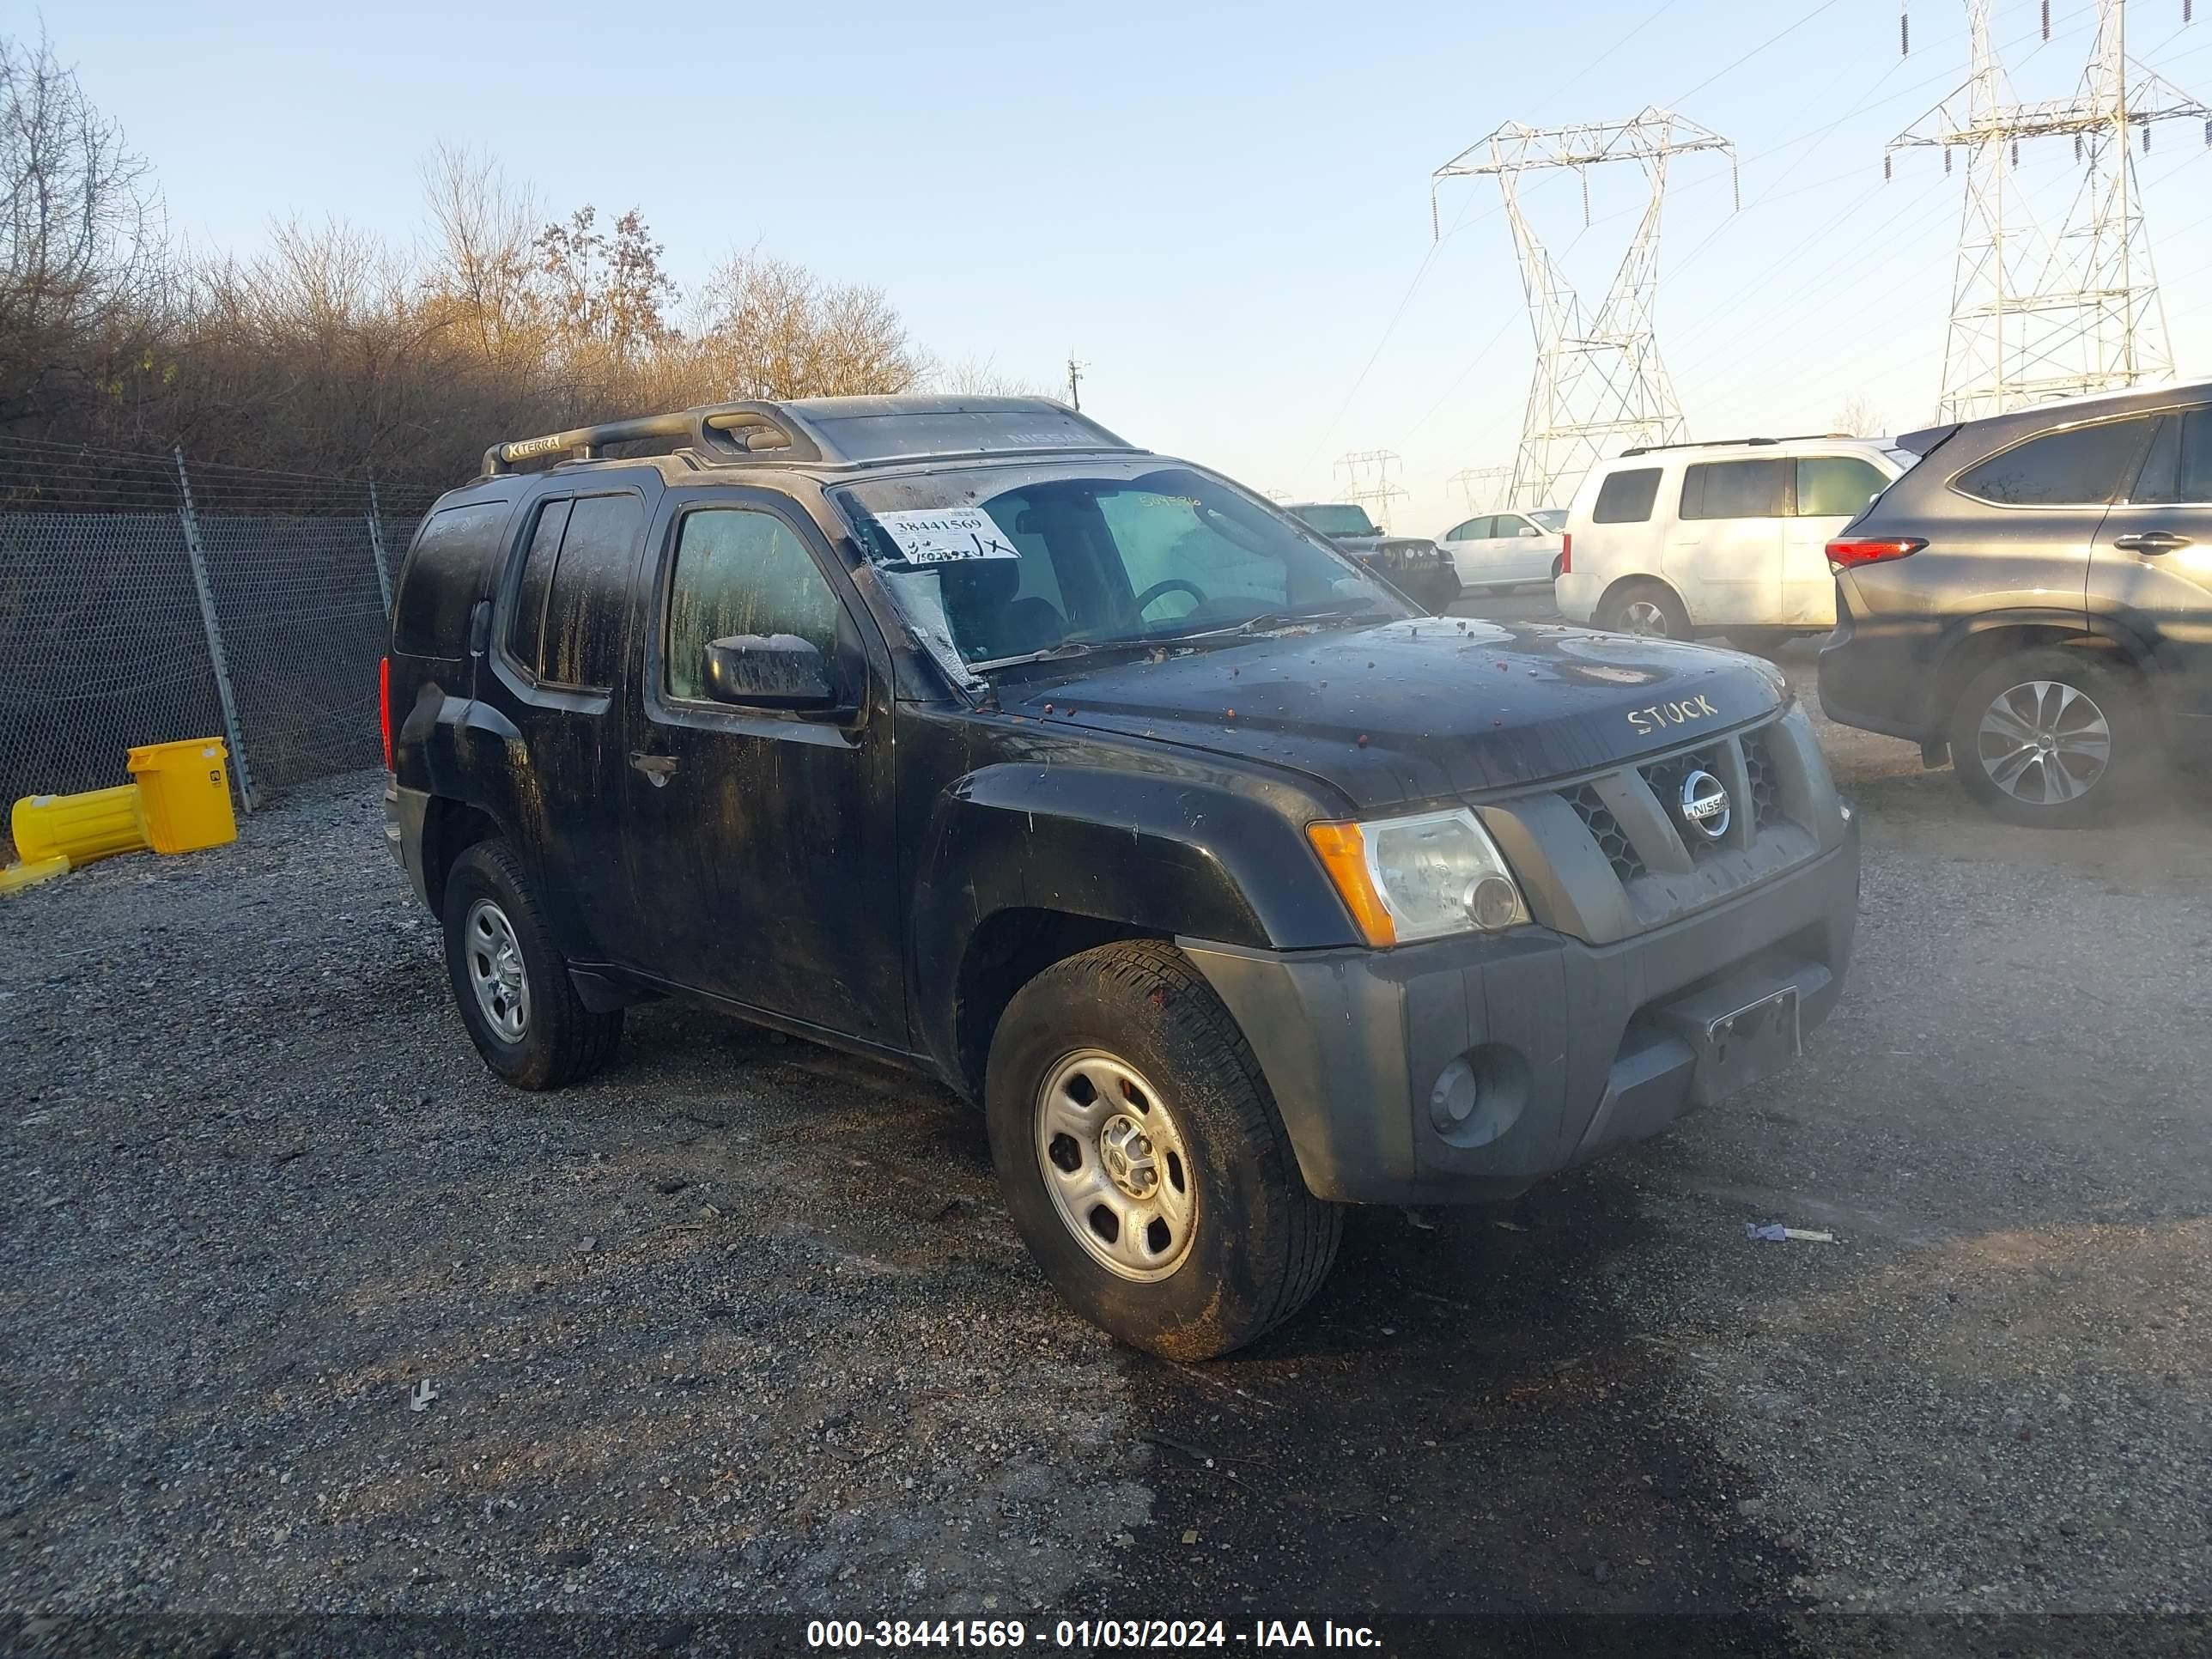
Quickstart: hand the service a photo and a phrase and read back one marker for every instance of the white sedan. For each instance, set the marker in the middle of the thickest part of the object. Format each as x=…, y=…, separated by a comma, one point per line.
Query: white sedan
x=1504, y=549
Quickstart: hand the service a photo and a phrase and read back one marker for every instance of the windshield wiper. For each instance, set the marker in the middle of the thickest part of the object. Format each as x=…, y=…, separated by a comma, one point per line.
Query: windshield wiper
x=1068, y=648
x=1286, y=617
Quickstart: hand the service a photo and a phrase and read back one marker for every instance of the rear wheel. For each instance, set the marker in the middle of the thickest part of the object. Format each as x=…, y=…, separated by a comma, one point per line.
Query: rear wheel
x=1143, y=1160
x=2049, y=738
x=1646, y=608
x=511, y=981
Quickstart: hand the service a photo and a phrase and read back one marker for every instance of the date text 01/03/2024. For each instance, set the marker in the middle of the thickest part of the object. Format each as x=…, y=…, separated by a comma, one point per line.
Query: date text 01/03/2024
x=1083, y=1635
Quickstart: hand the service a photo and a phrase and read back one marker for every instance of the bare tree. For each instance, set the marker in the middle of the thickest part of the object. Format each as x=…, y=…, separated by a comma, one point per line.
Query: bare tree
x=82, y=243
x=981, y=377
x=605, y=292
x=483, y=266
x=772, y=329
x=1857, y=417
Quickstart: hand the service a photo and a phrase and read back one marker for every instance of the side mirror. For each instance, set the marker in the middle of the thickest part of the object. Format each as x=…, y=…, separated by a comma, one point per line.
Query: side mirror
x=776, y=670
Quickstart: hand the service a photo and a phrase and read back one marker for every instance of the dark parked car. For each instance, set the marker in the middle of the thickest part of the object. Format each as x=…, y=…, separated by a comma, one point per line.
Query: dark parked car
x=2035, y=598
x=964, y=734
x=1414, y=565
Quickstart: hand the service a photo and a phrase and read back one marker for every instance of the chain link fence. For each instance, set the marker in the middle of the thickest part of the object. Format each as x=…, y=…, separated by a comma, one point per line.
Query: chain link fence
x=145, y=598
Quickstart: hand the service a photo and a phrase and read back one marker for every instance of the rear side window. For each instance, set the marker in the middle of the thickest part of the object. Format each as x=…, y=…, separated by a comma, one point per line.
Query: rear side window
x=2179, y=467
x=1626, y=497
x=574, y=592
x=444, y=578
x=1737, y=489
x=740, y=571
x=2084, y=466
x=1474, y=530
x=1836, y=486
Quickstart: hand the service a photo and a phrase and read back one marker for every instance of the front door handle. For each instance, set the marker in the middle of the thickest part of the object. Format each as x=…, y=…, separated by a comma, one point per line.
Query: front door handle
x=658, y=769
x=2150, y=541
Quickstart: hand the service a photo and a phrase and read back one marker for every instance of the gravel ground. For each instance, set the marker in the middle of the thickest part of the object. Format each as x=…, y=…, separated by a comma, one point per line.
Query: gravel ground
x=741, y=1325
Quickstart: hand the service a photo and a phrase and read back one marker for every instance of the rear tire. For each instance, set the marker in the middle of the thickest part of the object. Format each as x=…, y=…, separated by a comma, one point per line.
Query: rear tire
x=511, y=982
x=1648, y=609
x=2050, y=739
x=1143, y=1160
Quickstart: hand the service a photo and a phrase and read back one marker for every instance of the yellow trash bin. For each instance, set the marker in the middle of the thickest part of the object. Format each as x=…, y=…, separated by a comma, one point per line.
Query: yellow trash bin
x=186, y=786
x=79, y=828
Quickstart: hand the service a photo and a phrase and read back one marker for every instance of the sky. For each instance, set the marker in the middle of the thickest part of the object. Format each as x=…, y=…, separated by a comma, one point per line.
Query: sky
x=1221, y=211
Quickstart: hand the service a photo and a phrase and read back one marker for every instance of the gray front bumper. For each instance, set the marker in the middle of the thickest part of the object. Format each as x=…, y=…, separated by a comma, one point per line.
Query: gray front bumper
x=1572, y=1047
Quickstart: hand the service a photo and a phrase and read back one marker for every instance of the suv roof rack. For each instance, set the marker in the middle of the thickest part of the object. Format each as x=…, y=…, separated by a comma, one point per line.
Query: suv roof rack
x=830, y=432
x=1732, y=443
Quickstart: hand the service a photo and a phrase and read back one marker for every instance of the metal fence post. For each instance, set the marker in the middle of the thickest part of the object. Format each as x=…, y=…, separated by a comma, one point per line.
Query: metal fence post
x=197, y=555
x=376, y=547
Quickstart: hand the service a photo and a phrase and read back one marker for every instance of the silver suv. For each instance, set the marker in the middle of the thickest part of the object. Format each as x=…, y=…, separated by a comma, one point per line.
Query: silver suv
x=2034, y=599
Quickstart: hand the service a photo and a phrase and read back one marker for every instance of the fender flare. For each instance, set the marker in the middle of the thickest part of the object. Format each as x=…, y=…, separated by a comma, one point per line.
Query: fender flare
x=1155, y=854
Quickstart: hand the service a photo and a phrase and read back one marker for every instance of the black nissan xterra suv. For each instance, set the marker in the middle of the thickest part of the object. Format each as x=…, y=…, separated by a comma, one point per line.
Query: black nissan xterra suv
x=963, y=733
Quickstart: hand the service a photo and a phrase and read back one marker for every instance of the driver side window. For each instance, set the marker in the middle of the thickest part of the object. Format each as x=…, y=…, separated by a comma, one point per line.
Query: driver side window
x=740, y=571
x=1162, y=539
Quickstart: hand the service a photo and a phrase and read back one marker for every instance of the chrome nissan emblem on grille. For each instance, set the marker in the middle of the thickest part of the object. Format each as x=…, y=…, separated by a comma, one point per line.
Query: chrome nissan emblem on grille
x=1705, y=804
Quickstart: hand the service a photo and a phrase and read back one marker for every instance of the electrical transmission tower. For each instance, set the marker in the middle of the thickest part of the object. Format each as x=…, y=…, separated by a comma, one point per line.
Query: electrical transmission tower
x=1484, y=487
x=2033, y=316
x=1367, y=481
x=1599, y=384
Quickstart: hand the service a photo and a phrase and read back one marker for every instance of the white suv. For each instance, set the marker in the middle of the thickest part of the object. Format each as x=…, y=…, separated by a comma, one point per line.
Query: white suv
x=1681, y=539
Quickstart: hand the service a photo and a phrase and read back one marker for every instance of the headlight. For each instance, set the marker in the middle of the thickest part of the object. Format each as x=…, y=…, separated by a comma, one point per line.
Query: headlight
x=1418, y=878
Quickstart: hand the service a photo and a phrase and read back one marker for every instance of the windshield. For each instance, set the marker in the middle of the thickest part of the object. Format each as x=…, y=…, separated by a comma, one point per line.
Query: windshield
x=1337, y=520
x=1554, y=518
x=1062, y=560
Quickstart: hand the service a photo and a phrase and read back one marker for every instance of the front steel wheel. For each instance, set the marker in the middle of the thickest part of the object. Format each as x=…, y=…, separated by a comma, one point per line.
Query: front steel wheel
x=1143, y=1159
x=1114, y=1163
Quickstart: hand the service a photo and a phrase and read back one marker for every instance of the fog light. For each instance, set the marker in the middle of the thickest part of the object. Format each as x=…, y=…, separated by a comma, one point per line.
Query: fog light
x=1493, y=903
x=1480, y=1095
x=1453, y=1100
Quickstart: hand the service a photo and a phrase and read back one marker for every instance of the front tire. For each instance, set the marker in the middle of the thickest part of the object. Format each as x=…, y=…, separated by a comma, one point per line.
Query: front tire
x=1647, y=609
x=511, y=981
x=2048, y=739
x=1143, y=1160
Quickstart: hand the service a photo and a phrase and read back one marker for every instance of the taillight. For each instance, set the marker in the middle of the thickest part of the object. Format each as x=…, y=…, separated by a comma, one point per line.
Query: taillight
x=383, y=707
x=1847, y=555
x=1566, y=556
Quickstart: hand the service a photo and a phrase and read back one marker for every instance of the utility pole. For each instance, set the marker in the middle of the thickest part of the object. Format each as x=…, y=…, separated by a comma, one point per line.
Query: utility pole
x=1075, y=383
x=2036, y=317
x=1599, y=384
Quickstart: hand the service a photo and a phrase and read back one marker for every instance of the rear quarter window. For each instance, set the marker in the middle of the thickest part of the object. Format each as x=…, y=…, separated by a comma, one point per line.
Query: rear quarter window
x=2083, y=466
x=1626, y=497
x=446, y=573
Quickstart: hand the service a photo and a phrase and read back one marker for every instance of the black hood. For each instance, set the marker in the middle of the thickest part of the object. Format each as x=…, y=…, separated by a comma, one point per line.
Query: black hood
x=1418, y=709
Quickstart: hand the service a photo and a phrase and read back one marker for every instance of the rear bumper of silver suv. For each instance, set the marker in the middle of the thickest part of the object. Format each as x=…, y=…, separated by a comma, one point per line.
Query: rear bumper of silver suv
x=1468, y=1068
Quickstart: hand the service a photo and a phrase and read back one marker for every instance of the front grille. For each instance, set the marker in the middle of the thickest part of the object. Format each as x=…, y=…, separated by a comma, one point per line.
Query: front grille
x=1606, y=830
x=1765, y=798
x=1666, y=778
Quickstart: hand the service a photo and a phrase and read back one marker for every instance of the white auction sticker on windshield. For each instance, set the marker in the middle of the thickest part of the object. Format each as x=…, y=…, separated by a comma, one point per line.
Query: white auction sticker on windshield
x=946, y=535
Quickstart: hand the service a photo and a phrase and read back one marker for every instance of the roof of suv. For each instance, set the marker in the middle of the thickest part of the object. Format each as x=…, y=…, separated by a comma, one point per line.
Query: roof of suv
x=1727, y=449
x=828, y=434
